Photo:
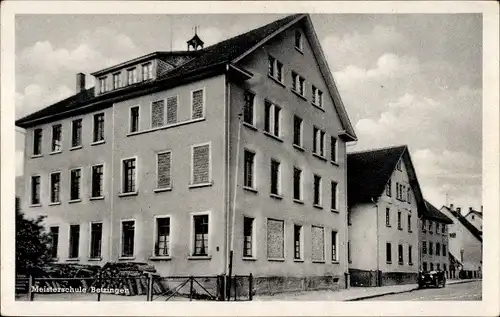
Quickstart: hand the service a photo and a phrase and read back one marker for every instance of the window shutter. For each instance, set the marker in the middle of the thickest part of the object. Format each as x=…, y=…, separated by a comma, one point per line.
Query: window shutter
x=157, y=113
x=275, y=239
x=164, y=165
x=172, y=110
x=318, y=243
x=197, y=104
x=201, y=164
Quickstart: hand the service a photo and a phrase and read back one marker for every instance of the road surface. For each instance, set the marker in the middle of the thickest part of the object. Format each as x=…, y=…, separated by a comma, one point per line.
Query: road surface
x=457, y=292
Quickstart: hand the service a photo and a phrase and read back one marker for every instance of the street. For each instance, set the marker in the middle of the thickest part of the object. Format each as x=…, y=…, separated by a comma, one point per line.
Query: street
x=458, y=292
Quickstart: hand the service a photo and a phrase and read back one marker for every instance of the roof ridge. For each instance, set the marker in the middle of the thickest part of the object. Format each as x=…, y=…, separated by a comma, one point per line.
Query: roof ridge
x=379, y=149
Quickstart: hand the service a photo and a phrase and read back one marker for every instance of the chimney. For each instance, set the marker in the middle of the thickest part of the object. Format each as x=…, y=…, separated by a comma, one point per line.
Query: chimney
x=470, y=209
x=451, y=207
x=80, y=82
x=459, y=210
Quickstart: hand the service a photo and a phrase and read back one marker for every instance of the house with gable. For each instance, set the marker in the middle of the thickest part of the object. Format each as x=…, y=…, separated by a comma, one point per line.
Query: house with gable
x=475, y=218
x=198, y=160
x=384, y=204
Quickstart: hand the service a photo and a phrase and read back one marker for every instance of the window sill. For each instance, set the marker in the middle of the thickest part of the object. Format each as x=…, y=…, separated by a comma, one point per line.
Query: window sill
x=388, y=262
x=250, y=189
x=317, y=206
x=410, y=231
x=36, y=156
x=298, y=147
x=55, y=203
x=97, y=258
x=388, y=226
x=75, y=147
x=400, y=229
x=128, y=194
x=318, y=106
x=273, y=136
x=171, y=125
x=276, y=80
x=335, y=262
x=200, y=185
x=199, y=257
x=334, y=163
x=125, y=258
x=160, y=190
x=97, y=142
x=318, y=261
x=73, y=201
x=334, y=210
x=72, y=259
x=160, y=258
x=319, y=157
x=298, y=201
x=97, y=198
x=276, y=196
x=400, y=263
x=299, y=95
x=55, y=152
x=250, y=126
x=276, y=259
x=246, y=258
x=298, y=260
x=410, y=263
x=35, y=205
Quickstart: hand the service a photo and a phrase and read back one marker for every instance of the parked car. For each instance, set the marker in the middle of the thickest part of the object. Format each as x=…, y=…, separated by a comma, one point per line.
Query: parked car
x=431, y=278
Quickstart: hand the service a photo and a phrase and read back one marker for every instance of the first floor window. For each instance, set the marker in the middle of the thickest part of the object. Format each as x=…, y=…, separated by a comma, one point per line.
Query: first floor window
x=333, y=144
x=318, y=243
x=56, y=138
x=399, y=221
x=334, y=196
x=97, y=180
x=95, y=240
x=197, y=104
x=172, y=109
x=388, y=255
x=444, y=250
x=200, y=235
x=400, y=254
x=201, y=164
x=128, y=237
x=164, y=164
x=129, y=170
x=297, y=131
x=317, y=190
x=275, y=174
x=319, y=142
x=75, y=181
x=438, y=248
x=432, y=266
x=248, y=107
x=248, y=237
x=76, y=133
x=37, y=142
x=334, y=246
x=438, y=266
x=157, y=113
x=430, y=248
x=74, y=241
x=298, y=84
x=410, y=258
x=409, y=222
x=275, y=239
x=388, y=217
x=297, y=242
x=98, y=127
x=272, y=118
x=248, y=177
x=134, y=119
x=35, y=190
x=54, y=241
x=444, y=267
x=424, y=247
x=424, y=266
x=55, y=187
x=297, y=184
x=162, y=245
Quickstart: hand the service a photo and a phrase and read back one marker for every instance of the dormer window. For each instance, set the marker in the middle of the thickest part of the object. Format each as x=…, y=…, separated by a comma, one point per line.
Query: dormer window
x=102, y=84
x=117, y=80
x=131, y=76
x=147, y=71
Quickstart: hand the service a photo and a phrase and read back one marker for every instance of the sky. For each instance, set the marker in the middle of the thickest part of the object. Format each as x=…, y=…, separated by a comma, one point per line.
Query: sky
x=413, y=79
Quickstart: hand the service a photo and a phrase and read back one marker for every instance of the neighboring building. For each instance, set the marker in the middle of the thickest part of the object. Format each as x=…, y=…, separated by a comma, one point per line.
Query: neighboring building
x=475, y=218
x=465, y=243
x=384, y=204
x=19, y=191
x=433, y=238
x=143, y=167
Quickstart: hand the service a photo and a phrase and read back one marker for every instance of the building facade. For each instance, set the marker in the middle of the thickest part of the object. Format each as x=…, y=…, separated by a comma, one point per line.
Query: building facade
x=475, y=218
x=186, y=159
x=384, y=205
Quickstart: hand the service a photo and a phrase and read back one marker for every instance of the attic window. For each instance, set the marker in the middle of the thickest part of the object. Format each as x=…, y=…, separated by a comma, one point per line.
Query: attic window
x=147, y=71
x=131, y=76
x=298, y=40
x=398, y=166
x=102, y=84
x=275, y=69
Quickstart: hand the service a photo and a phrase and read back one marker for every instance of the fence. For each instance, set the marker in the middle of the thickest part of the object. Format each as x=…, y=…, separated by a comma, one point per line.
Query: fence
x=212, y=288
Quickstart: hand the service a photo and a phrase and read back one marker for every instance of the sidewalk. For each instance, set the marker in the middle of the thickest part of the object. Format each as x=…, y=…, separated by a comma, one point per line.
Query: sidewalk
x=351, y=294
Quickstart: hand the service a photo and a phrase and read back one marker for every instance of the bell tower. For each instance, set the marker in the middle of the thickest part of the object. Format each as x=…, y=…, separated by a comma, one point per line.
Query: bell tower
x=195, y=42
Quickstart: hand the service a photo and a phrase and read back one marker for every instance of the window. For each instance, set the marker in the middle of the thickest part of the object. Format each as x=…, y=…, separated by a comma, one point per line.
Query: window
x=349, y=252
x=335, y=242
x=298, y=84
x=76, y=133
x=98, y=127
x=134, y=119
x=128, y=237
x=37, y=141
x=388, y=217
x=430, y=248
x=172, y=109
x=297, y=131
x=432, y=266
x=200, y=235
x=74, y=241
x=131, y=76
x=430, y=226
x=388, y=188
x=248, y=237
x=444, y=267
x=443, y=228
x=35, y=190
x=333, y=144
x=147, y=71
x=424, y=247
x=162, y=243
x=438, y=266
x=117, y=81
x=334, y=187
x=423, y=225
x=275, y=239
x=437, y=227
x=409, y=223
x=319, y=142
x=400, y=227
x=424, y=266
x=129, y=175
x=318, y=243
x=157, y=113
x=317, y=190
x=200, y=173
x=197, y=104
x=275, y=177
x=388, y=255
x=438, y=248
x=55, y=187
x=297, y=242
x=272, y=118
x=317, y=97
x=56, y=138
x=248, y=108
x=95, y=240
x=444, y=250
x=164, y=164
x=275, y=69
x=54, y=241
x=408, y=195
x=410, y=258
x=298, y=40
x=102, y=84
x=297, y=184
x=248, y=169
x=97, y=180
x=400, y=254
x=75, y=183
x=398, y=166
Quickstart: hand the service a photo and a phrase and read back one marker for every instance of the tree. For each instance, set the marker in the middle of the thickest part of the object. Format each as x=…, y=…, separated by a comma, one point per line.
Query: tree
x=32, y=244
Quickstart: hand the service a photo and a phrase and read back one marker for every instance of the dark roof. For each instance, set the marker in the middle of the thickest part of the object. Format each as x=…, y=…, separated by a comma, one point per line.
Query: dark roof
x=434, y=214
x=480, y=214
x=472, y=229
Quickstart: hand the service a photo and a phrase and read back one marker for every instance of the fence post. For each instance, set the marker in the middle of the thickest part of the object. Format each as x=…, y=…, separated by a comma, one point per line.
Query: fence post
x=190, y=288
x=99, y=284
x=31, y=295
x=150, y=288
x=250, y=286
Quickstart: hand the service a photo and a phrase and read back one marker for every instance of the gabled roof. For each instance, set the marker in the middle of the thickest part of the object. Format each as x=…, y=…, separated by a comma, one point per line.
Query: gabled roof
x=472, y=229
x=218, y=58
x=478, y=213
x=433, y=213
x=369, y=171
